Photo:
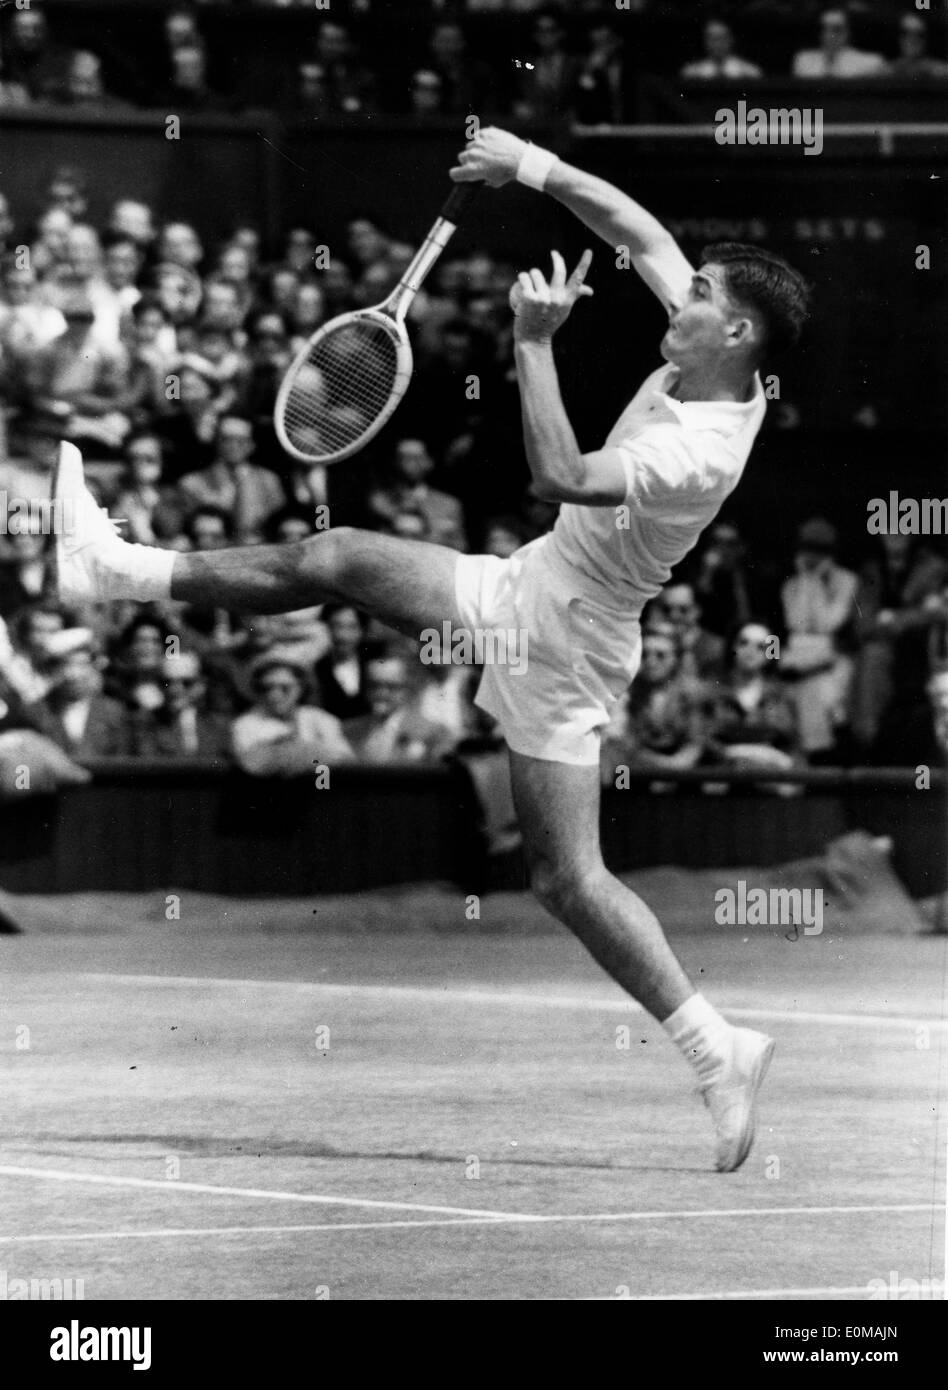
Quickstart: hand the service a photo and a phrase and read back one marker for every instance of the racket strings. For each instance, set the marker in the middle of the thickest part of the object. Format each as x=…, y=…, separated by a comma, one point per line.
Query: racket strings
x=340, y=388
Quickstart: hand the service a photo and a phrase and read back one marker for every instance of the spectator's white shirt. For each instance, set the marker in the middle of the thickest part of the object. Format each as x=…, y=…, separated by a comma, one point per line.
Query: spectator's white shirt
x=400, y=737
x=75, y=717
x=322, y=731
x=848, y=62
x=112, y=308
x=18, y=670
x=187, y=725
x=731, y=67
x=26, y=327
x=819, y=601
x=447, y=702
x=348, y=675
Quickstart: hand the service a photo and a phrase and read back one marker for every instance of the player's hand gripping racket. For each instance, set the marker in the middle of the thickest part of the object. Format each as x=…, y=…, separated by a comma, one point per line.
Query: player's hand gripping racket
x=343, y=384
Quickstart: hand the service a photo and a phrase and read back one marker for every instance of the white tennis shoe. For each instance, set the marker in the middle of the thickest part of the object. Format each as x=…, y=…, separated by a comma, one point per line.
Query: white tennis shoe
x=731, y=1096
x=88, y=557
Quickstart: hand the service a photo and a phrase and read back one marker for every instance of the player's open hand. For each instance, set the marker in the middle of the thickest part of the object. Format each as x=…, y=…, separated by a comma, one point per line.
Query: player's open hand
x=491, y=156
x=541, y=308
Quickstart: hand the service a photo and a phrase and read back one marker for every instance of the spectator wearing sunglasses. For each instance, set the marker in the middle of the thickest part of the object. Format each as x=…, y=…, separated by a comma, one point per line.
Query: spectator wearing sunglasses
x=181, y=728
x=751, y=718
x=700, y=653
x=658, y=724
x=281, y=736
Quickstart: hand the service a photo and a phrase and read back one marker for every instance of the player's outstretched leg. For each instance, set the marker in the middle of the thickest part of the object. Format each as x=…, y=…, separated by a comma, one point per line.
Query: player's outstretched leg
x=409, y=584
x=558, y=807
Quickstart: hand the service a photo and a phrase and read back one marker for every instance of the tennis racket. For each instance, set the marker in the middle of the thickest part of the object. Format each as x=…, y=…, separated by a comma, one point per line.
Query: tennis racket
x=346, y=381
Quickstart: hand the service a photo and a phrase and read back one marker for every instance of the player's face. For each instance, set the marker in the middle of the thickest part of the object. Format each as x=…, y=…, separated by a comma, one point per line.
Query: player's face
x=700, y=327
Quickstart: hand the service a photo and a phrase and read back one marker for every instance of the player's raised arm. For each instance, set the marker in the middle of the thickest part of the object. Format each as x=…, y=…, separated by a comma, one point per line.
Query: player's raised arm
x=560, y=472
x=497, y=157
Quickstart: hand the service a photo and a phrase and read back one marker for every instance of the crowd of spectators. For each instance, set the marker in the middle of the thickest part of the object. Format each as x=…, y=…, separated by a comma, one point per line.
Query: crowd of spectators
x=162, y=356
x=827, y=665
x=576, y=62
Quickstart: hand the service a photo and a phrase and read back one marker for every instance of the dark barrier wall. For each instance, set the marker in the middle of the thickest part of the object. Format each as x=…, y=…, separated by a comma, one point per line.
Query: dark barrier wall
x=219, y=171
x=136, y=827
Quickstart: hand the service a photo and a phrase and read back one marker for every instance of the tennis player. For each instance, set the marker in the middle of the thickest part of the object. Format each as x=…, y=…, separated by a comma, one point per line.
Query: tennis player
x=630, y=511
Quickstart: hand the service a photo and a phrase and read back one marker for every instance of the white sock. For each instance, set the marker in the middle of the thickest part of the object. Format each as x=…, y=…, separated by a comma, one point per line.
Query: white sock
x=701, y=1035
x=140, y=572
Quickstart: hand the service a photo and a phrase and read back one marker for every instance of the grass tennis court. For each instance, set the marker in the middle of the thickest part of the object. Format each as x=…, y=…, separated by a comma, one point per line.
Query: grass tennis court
x=181, y=1125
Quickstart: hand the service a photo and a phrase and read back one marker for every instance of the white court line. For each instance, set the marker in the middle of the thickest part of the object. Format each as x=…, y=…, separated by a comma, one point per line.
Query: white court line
x=504, y=997
x=848, y=1290
x=167, y=1185
x=480, y=1217
x=183, y=1232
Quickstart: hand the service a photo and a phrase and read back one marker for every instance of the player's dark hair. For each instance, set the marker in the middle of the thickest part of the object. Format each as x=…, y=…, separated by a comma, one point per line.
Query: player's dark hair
x=767, y=283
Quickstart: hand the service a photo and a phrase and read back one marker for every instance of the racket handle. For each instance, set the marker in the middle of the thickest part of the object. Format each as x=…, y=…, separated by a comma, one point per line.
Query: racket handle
x=459, y=200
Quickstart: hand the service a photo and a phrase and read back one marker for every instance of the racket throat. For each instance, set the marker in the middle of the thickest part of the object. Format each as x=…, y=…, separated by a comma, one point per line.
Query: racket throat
x=417, y=271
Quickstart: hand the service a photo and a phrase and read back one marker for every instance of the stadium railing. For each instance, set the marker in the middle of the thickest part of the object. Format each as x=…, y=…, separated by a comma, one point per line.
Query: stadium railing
x=190, y=825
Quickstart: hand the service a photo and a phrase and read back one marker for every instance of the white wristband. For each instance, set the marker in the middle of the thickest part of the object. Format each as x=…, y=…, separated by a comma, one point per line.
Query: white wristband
x=534, y=167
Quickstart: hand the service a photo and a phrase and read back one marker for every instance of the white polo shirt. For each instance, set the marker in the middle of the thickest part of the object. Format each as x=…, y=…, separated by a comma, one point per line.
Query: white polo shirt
x=682, y=460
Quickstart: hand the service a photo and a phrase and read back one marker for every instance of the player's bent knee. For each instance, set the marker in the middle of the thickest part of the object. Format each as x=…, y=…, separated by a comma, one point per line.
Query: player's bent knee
x=327, y=556
x=560, y=890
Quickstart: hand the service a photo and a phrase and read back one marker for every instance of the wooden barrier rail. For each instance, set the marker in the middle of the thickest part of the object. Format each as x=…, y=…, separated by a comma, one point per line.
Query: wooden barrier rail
x=140, y=826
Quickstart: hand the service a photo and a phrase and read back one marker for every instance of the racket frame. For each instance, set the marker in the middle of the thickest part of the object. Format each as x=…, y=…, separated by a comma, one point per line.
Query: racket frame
x=380, y=318
x=390, y=315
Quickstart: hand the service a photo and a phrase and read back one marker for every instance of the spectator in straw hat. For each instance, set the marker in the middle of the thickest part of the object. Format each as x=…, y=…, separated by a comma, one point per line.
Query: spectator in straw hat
x=281, y=736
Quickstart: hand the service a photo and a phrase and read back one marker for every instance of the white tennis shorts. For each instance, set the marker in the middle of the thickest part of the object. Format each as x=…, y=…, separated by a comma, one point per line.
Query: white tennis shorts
x=575, y=655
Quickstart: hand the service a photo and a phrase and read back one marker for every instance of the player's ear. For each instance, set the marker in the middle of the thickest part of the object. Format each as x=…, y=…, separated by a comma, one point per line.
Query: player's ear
x=743, y=333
